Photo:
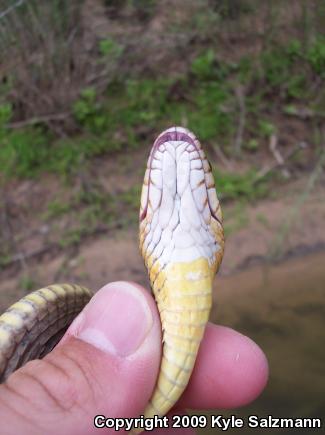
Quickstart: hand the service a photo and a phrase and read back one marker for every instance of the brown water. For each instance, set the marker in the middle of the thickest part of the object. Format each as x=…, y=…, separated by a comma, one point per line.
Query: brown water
x=282, y=308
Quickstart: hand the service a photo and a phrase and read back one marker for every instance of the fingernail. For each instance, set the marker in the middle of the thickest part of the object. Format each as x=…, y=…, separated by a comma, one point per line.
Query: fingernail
x=117, y=320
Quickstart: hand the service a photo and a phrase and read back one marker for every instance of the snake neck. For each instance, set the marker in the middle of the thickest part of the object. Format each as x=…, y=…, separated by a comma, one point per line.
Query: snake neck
x=183, y=292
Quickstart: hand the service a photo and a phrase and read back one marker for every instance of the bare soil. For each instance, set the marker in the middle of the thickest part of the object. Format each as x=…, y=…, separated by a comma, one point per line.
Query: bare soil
x=272, y=228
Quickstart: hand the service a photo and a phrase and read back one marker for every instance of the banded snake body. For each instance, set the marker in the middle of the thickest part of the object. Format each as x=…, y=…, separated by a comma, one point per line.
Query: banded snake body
x=182, y=243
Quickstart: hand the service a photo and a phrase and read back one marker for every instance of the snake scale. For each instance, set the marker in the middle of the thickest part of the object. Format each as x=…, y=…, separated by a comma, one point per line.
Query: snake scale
x=182, y=243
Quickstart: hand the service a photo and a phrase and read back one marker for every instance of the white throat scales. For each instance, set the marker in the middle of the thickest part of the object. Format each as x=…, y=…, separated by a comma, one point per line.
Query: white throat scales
x=178, y=212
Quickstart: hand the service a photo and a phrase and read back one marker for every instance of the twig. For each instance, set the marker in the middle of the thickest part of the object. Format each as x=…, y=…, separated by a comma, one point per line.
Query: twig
x=11, y=8
x=38, y=119
x=273, y=145
x=65, y=263
x=72, y=35
x=55, y=247
x=282, y=234
x=303, y=113
x=265, y=171
x=220, y=154
x=21, y=257
x=242, y=118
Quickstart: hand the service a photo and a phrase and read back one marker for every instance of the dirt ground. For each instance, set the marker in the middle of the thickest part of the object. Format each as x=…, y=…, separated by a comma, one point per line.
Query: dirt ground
x=291, y=223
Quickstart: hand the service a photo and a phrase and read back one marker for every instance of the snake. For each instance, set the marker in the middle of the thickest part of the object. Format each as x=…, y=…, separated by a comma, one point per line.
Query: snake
x=182, y=243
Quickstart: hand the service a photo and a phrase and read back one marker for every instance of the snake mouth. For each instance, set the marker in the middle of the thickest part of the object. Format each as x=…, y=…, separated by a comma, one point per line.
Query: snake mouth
x=178, y=135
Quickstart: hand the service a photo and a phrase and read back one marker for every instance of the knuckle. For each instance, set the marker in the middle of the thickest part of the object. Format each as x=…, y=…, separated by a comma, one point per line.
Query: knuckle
x=59, y=382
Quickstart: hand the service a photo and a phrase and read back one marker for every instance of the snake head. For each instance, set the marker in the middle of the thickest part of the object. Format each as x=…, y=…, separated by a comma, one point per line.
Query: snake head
x=180, y=214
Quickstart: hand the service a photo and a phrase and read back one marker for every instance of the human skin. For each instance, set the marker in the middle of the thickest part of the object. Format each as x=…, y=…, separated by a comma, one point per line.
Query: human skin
x=107, y=364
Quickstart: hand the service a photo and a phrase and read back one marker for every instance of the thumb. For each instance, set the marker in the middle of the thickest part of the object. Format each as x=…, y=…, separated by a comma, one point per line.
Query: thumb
x=106, y=364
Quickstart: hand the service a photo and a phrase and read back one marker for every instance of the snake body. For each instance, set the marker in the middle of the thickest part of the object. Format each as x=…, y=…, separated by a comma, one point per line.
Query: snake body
x=181, y=240
x=31, y=327
x=182, y=243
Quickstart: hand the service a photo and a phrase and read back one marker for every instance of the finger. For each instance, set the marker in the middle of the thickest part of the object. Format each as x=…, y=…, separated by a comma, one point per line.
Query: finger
x=107, y=364
x=230, y=371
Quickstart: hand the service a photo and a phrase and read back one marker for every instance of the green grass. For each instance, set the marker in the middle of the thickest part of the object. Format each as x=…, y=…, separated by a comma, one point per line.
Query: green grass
x=27, y=283
x=88, y=210
x=262, y=219
x=55, y=209
x=235, y=219
x=131, y=107
x=111, y=124
x=233, y=186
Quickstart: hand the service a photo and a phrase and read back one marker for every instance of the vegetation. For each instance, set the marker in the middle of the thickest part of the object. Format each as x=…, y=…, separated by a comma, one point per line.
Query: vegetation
x=73, y=87
x=53, y=119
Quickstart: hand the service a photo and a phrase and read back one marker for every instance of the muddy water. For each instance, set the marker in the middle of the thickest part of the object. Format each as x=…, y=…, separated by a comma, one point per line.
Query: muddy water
x=283, y=309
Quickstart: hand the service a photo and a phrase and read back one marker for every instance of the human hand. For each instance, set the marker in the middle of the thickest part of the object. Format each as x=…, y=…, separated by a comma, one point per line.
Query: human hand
x=107, y=364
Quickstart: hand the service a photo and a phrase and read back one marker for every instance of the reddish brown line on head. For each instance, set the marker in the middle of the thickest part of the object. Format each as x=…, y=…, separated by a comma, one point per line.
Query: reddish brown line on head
x=173, y=136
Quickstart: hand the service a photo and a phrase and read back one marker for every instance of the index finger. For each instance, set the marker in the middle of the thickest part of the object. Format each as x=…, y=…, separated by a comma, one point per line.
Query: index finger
x=230, y=371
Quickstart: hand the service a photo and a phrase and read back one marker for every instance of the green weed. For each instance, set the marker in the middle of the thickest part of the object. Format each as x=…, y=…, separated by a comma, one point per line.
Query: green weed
x=131, y=197
x=56, y=209
x=108, y=48
x=235, y=219
x=263, y=220
x=316, y=56
x=89, y=112
x=208, y=119
x=252, y=144
x=27, y=283
x=72, y=237
x=240, y=186
x=288, y=67
x=285, y=71
x=5, y=114
x=23, y=152
x=132, y=106
x=276, y=66
x=90, y=209
x=266, y=128
x=202, y=67
x=4, y=258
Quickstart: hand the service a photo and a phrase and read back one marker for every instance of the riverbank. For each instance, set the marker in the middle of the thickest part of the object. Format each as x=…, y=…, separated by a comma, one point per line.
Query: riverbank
x=291, y=223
